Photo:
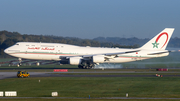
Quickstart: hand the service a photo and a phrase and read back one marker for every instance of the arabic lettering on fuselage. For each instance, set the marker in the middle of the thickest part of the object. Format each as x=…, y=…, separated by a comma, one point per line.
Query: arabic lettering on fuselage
x=38, y=48
x=46, y=48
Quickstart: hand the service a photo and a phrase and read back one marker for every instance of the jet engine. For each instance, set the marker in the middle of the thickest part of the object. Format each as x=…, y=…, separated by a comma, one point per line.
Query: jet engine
x=98, y=59
x=75, y=60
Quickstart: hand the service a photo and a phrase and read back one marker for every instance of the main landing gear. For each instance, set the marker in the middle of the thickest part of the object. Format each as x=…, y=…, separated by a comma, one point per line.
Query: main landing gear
x=86, y=64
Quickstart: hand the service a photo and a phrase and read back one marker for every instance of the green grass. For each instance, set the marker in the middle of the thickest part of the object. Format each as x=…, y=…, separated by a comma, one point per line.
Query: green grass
x=165, y=87
x=7, y=59
x=46, y=99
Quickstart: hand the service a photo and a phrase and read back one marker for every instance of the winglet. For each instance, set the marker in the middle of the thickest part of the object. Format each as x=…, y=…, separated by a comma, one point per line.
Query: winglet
x=160, y=41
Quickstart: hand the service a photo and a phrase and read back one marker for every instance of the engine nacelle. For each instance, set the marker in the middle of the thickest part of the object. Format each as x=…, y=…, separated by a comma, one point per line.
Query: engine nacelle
x=98, y=59
x=75, y=60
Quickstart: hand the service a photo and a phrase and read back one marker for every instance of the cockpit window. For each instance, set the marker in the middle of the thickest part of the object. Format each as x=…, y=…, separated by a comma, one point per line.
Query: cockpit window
x=17, y=44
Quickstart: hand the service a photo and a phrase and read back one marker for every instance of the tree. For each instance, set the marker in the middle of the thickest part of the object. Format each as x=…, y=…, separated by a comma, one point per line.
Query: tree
x=8, y=42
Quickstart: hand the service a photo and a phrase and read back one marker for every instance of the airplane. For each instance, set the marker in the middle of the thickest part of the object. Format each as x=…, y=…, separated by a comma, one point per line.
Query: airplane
x=87, y=57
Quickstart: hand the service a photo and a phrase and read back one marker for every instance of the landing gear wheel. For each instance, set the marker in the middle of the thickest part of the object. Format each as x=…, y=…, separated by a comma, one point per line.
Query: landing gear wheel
x=86, y=65
x=20, y=60
x=20, y=64
x=80, y=66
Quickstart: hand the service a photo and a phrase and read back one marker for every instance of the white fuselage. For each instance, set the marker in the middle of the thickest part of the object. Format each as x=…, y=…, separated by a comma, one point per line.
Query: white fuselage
x=53, y=51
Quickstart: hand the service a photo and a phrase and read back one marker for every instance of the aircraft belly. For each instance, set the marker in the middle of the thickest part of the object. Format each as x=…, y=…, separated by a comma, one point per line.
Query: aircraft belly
x=26, y=56
x=37, y=57
x=49, y=57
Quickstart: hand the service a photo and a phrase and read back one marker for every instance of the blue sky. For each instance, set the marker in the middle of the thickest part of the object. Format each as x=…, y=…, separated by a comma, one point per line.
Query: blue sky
x=90, y=18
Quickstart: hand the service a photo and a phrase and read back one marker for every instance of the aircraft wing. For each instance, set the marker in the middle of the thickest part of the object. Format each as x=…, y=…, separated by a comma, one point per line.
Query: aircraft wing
x=109, y=54
x=161, y=52
x=104, y=54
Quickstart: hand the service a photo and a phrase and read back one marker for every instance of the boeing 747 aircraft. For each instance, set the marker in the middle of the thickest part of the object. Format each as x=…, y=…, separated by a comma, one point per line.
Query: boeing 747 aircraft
x=88, y=57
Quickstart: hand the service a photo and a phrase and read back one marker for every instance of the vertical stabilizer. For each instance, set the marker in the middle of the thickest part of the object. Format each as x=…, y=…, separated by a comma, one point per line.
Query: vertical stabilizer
x=160, y=41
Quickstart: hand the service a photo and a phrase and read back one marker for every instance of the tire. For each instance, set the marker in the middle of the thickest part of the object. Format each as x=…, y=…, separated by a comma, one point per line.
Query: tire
x=80, y=67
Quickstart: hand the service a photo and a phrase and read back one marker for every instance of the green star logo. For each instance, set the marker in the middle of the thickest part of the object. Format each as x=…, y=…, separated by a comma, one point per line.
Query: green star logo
x=155, y=44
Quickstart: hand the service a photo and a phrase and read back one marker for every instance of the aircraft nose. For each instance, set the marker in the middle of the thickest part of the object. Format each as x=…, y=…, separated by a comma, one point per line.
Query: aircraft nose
x=6, y=51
